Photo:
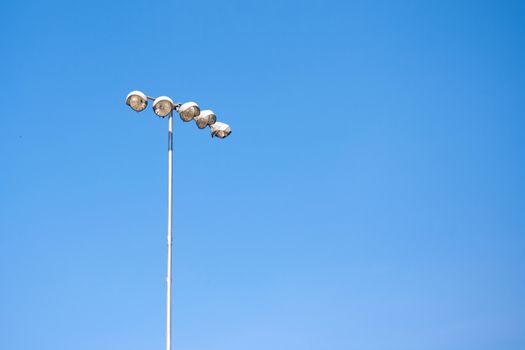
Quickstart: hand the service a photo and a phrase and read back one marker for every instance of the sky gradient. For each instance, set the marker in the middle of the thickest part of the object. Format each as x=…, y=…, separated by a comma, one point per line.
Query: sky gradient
x=371, y=195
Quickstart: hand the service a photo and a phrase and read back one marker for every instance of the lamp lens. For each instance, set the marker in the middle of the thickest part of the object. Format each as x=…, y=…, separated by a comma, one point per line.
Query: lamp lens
x=189, y=113
x=163, y=108
x=137, y=103
x=202, y=121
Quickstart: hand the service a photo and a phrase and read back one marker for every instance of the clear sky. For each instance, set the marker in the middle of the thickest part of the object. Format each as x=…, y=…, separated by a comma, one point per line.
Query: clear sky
x=371, y=195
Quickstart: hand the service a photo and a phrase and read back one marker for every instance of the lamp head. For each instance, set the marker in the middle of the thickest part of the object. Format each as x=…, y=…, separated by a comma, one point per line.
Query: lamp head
x=137, y=100
x=188, y=111
x=162, y=106
x=205, y=118
x=220, y=130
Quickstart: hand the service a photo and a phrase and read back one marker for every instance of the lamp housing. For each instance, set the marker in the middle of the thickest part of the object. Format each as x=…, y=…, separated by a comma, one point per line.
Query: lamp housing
x=220, y=130
x=137, y=100
x=188, y=111
x=162, y=106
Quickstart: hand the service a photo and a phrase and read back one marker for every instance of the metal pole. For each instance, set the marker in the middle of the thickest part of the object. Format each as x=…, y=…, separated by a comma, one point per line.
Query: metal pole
x=170, y=213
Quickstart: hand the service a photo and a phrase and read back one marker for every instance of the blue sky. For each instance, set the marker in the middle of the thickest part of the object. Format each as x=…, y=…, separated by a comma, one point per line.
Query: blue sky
x=371, y=195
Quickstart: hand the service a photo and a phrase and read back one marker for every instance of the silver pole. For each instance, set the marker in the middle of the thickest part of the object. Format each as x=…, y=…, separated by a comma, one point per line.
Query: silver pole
x=170, y=213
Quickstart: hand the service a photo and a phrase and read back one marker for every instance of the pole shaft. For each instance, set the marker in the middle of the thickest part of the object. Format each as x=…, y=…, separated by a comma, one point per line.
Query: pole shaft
x=170, y=239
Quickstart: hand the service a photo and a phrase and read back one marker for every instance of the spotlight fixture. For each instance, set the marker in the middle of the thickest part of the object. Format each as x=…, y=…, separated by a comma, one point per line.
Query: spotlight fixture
x=205, y=118
x=162, y=106
x=137, y=101
x=188, y=111
x=220, y=130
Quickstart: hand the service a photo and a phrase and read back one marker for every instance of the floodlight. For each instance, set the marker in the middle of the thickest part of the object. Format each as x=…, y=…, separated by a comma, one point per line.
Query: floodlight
x=206, y=117
x=162, y=106
x=137, y=101
x=188, y=111
x=220, y=130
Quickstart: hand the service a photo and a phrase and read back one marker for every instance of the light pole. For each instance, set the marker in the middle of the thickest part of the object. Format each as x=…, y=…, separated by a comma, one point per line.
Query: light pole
x=163, y=106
